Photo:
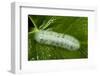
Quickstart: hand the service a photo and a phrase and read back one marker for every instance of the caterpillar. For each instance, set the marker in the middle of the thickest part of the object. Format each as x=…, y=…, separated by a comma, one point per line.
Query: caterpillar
x=57, y=39
x=53, y=38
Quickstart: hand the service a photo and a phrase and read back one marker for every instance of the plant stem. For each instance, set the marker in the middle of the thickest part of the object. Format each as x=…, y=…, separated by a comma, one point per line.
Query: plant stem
x=33, y=22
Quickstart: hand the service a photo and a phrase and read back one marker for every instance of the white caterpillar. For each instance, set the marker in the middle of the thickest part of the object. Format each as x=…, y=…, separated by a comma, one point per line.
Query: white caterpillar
x=57, y=39
x=52, y=38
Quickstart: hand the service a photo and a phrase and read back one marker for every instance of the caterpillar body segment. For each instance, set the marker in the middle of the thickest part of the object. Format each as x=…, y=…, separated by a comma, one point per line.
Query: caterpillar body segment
x=57, y=39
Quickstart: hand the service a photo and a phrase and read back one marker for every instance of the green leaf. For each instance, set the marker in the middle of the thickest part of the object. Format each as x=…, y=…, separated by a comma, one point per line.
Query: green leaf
x=74, y=26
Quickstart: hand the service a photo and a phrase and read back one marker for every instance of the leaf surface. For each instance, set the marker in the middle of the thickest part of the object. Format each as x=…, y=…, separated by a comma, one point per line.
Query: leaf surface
x=74, y=26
